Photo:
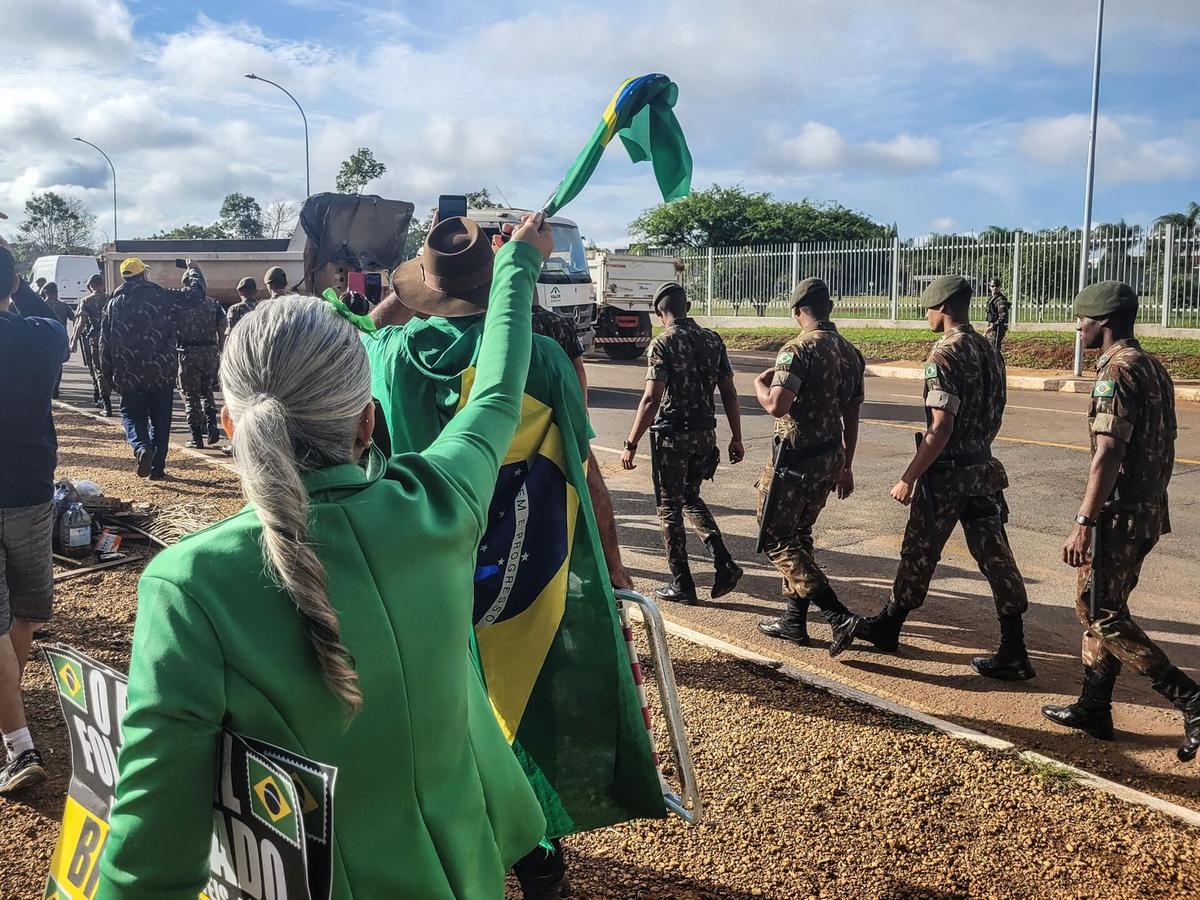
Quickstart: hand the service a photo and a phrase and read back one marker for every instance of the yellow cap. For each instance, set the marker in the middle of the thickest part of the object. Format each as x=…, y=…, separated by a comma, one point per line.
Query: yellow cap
x=132, y=266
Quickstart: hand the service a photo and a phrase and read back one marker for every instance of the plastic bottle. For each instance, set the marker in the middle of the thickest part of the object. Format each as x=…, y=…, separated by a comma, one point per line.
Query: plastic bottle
x=75, y=532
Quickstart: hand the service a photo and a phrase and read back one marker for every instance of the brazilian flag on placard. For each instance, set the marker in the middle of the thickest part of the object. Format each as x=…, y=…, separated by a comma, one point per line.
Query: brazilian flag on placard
x=549, y=640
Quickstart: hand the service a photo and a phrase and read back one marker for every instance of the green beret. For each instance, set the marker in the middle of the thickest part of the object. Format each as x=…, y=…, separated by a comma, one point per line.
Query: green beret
x=275, y=275
x=667, y=287
x=810, y=291
x=1096, y=301
x=945, y=288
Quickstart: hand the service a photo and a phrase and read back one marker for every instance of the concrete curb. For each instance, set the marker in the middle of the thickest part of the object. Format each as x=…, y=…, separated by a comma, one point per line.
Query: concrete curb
x=1121, y=792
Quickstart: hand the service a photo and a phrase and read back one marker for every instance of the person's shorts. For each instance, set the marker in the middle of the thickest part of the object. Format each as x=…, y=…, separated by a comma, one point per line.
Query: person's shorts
x=26, y=565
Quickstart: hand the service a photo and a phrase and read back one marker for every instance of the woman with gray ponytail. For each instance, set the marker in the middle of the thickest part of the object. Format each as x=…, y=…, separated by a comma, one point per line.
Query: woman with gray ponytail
x=332, y=618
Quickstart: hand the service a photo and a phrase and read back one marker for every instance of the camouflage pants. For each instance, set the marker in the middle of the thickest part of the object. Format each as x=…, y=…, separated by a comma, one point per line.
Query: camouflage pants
x=91, y=357
x=679, y=462
x=983, y=519
x=1114, y=634
x=197, y=382
x=788, y=537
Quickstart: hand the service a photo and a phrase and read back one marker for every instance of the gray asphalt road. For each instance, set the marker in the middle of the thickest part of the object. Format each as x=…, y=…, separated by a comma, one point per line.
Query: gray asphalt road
x=1044, y=448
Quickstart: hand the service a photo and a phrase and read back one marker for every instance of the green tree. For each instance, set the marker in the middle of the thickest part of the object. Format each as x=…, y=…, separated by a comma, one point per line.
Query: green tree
x=356, y=172
x=732, y=216
x=56, y=224
x=241, y=217
x=190, y=232
x=1188, y=219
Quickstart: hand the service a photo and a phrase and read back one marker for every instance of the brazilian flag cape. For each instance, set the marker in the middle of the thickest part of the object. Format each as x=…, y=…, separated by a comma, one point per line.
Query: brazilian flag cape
x=549, y=641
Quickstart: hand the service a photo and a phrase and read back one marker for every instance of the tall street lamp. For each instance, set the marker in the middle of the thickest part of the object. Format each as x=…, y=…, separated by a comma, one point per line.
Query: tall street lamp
x=1084, y=253
x=114, y=175
x=307, y=181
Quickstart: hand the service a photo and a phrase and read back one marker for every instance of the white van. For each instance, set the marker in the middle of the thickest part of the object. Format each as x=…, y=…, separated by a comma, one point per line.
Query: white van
x=70, y=273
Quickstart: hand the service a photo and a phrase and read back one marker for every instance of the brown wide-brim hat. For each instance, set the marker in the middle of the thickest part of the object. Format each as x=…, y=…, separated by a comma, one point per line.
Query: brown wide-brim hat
x=453, y=274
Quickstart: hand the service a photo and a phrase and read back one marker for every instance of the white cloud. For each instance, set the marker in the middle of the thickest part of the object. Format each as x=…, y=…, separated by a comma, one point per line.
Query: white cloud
x=944, y=224
x=1126, y=150
x=821, y=147
x=66, y=31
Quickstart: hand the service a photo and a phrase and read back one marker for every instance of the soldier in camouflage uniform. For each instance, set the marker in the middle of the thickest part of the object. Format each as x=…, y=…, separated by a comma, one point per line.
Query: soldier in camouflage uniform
x=814, y=392
x=1132, y=427
x=997, y=314
x=91, y=311
x=199, y=333
x=954, y=478
x=686, y=363
x=138, y=357
x=247, y=289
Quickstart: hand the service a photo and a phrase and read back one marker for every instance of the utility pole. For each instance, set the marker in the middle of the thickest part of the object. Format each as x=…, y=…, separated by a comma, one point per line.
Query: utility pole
x=1086, y=242
x=307, y=179
x=114, y=175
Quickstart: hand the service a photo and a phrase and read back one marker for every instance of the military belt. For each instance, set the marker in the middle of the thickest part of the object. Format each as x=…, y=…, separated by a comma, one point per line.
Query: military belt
x=673, y=427
x=946, y=462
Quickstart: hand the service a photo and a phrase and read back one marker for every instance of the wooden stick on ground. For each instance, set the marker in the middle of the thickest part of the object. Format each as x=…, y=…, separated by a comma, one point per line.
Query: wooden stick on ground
x=63, y=576
x=67, y=561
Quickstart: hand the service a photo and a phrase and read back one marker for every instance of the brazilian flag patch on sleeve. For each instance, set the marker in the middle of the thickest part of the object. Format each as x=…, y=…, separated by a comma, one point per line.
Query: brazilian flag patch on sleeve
x=931, y=370
x=784, y=359
x=1104, y=389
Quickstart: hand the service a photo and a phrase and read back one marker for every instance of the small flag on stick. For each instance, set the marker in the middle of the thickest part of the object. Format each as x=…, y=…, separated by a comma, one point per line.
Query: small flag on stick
x=641, y=112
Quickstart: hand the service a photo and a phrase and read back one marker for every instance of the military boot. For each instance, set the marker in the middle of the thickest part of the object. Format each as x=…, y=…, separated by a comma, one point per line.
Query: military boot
x=881, y=629
x=680, y=590
x=214, y=432
x=729, y=573
x=1092, y=712
x=1011, y=661
x=792, y=625
x=107, y=407
x=1184, y=695
x=197, y=441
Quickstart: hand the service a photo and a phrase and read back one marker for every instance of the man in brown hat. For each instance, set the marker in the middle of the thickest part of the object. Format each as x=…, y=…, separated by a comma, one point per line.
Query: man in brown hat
x=449, y=283
x=954, y=478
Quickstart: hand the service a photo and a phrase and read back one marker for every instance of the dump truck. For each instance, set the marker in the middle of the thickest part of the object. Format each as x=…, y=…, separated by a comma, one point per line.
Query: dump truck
x=336, y=234
x=625, y=286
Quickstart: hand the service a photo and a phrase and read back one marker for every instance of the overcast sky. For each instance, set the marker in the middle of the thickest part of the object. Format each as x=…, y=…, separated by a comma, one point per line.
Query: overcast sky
x=935, y=114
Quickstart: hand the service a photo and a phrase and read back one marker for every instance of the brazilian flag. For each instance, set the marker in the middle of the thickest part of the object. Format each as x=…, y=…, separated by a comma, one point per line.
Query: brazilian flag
x=549, y=642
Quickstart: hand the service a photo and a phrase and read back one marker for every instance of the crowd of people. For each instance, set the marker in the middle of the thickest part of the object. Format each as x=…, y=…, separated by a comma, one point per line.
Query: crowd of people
x=357, y=520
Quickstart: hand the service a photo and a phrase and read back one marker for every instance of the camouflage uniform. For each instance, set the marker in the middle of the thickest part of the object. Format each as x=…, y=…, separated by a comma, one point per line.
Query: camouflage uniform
x=239, y=311
x=825, y=372
x=558, y=328
x=689, y=360
x=997, y=319
x=91, y=311
x=199, y=327
x=965, y=376
x=138, y=357
x=1133, y=400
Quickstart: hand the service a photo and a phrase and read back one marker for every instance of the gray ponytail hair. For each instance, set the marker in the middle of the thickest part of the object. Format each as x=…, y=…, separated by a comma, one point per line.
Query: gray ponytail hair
x=296, y=380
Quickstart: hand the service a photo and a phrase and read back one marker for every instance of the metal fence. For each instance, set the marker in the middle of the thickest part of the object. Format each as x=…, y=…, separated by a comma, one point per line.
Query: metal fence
x=883, y=279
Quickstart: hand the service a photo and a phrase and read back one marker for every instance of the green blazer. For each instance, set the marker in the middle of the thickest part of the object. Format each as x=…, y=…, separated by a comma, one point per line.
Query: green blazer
x=430, y=801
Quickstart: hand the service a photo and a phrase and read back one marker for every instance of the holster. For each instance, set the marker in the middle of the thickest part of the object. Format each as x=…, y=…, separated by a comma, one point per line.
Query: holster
x=780, y=471
x=654, y=432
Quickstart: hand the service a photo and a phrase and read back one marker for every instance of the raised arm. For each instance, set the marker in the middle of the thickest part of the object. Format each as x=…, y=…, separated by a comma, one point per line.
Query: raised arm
x=471, y=447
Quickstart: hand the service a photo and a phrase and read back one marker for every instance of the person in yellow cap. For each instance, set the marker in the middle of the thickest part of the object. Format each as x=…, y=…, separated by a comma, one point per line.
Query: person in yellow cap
x=138, y=357
x=276, y=281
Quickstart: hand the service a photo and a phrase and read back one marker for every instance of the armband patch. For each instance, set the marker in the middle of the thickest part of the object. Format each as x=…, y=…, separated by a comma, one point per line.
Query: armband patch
x=943, y=400
x=931, y=370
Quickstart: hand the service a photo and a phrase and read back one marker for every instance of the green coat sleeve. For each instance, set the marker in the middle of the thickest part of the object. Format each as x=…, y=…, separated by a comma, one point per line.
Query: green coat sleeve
x=161, y=825
x=470, y=449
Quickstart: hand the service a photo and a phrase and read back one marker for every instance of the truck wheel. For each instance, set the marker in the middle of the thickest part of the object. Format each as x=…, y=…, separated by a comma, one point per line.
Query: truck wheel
x=623, y=351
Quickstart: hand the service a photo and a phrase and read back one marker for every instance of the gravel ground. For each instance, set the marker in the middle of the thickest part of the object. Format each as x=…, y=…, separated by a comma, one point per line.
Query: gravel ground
x=807, y=795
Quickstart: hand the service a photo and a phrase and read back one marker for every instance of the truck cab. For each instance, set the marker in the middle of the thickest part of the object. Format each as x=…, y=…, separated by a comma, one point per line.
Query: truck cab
x=564, y=285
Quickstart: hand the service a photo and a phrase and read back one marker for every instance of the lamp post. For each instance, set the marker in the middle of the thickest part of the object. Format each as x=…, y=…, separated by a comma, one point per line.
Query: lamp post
x=1084, y=252
x=307, y=182
x=114, y=175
